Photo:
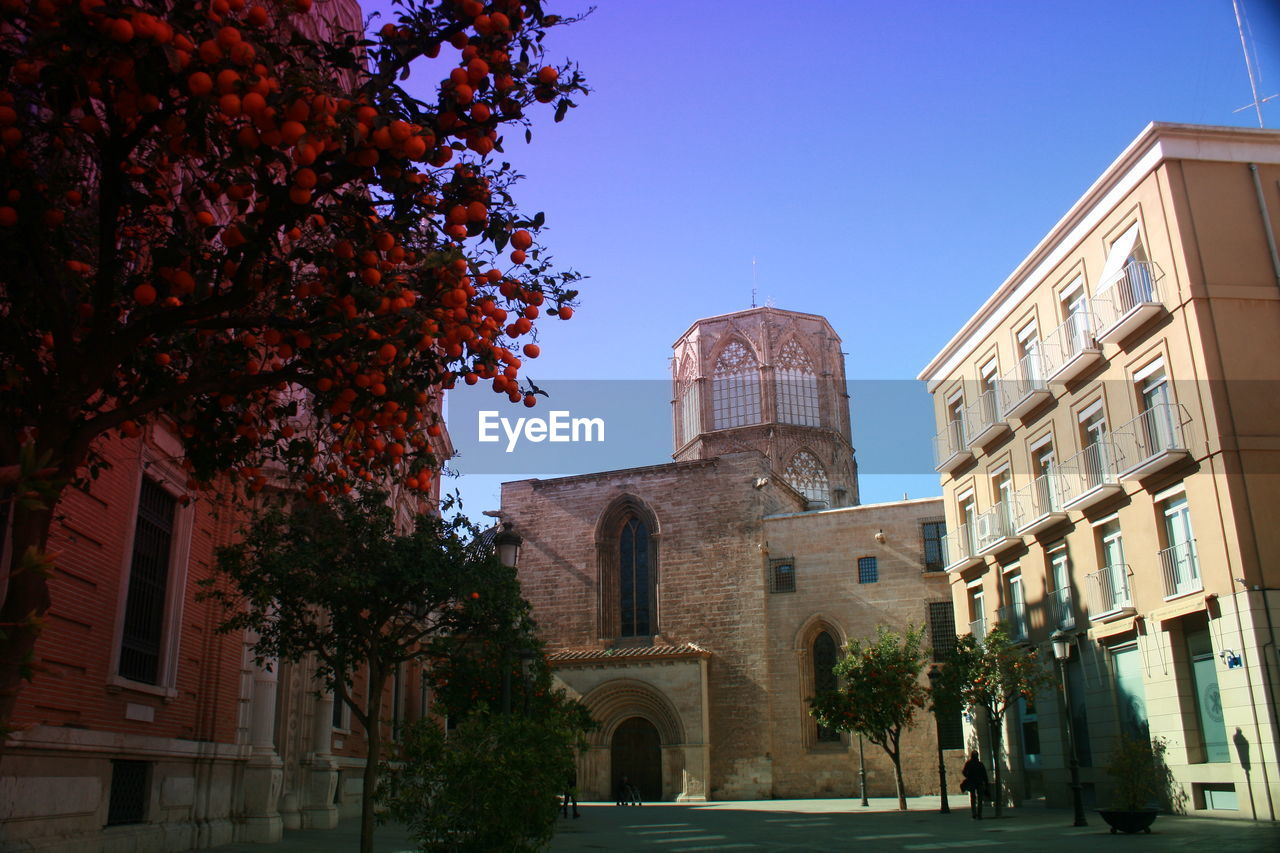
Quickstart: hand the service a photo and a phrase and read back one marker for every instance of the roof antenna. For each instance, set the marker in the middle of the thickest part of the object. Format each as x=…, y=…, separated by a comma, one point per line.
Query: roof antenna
x=754, y=281
x=1250, y=64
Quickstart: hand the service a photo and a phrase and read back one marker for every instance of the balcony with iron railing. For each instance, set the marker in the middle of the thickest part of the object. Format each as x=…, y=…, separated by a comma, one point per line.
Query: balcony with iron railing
x=985, y=419
x=1089, y=477
x=1110, y=592
x=1061, y=612
x=978, y=628
x=1128, y=301
x=950, y=447
x=1154, y=440
x=1023, y=388
x=1014, y=617
x=960, y=548
x=1037, y=506
x=1181, y=569
x=1072, y=349
x=993, y=529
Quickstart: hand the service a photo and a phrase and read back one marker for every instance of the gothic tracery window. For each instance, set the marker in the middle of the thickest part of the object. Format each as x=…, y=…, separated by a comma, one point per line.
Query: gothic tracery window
x=806, y=475
x=824, y=677
x=796, y=384
x=633, y=586
x=687, y=397
x=735, y=387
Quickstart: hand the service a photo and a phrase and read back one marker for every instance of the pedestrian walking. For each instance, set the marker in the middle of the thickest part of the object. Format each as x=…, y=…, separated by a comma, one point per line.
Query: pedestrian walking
x=570, y=794
x=975, y=783
x=623, y=791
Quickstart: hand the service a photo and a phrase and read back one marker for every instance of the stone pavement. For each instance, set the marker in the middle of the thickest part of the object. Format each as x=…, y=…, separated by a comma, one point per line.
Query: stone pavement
x=826, y=826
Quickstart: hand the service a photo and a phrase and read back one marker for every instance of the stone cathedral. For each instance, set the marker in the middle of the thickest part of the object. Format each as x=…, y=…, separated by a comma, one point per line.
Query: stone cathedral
x=695, y=606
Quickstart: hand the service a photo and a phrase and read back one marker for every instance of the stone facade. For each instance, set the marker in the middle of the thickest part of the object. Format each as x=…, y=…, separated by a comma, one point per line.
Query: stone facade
x=700, y=638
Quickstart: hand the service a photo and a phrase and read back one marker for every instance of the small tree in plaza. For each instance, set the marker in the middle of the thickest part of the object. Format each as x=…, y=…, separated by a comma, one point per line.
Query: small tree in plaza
x=493, y=780
x=339, y=585
x=879, y=695
x=988, y=677
x=234, y=218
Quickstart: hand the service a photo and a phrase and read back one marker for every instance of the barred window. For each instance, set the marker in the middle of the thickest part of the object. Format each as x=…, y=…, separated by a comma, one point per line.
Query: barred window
x=148, y=585
x=868, y=570
x=942, y=628
x=932, y=533
x=127, y=802
x=797, y=386
x=687, y=402
x=735, y=387
x=950, y=728
x=806, y=475
x=782, y=576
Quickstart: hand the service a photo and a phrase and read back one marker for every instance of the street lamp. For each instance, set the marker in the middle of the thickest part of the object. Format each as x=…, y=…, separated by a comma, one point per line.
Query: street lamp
x=934, y=674
x=862, y=773
x=508, y=543
x=1062, y=642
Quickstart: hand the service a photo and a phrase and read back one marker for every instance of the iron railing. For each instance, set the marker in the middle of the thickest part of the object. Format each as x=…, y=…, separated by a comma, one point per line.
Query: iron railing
x=949, y=442
x=1160, y=429
x=1111, y=589
x=1091, y=468
x=1071, y=339
x=1136, y=285
x=1181, y=569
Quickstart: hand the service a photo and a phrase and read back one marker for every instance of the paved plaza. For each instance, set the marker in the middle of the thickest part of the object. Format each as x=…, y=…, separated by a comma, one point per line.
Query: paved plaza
x=819, y=826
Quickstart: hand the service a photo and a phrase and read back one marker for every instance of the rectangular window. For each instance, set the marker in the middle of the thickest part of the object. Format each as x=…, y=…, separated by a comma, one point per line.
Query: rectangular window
x=782, y=575
x=942, y=628
x=868, y=572
x=932, y=532
x=128, y=799
x=144, y=613
x=1179, y=561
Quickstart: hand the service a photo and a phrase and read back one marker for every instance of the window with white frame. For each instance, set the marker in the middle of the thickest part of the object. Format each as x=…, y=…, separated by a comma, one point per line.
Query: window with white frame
x=1179, y=560
x=977, y=610
x=1028, y=351
x=735, y=387
x=796, y=384
x=1063, y=611
x=1015, y=613
x=155, y=586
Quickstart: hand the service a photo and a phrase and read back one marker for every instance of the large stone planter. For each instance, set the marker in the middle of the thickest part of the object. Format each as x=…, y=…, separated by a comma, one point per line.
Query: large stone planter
x=1128, y=822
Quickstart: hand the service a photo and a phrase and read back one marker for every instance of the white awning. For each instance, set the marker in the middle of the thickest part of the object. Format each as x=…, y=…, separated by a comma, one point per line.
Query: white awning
x=1119, y=253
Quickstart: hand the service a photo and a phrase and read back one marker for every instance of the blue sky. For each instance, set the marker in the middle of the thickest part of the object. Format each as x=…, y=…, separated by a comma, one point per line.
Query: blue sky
x=886, y=164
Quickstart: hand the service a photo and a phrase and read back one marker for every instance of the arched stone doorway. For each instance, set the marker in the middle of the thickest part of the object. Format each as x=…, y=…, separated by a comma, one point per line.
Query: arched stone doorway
x=635, y=751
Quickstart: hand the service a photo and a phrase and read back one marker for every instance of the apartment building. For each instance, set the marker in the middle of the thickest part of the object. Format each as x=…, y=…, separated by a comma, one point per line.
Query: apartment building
x=1109, y=447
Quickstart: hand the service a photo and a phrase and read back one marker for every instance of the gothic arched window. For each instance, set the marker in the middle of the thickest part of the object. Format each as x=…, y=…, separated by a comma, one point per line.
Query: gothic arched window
x=806, y=475
x=796, y=384
x=633, y=580
x=824, y=677
x=687, y=415
x=735, y=387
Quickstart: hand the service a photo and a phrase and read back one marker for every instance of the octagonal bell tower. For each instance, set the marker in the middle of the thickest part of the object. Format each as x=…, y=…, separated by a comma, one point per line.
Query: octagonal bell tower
x=768, y=380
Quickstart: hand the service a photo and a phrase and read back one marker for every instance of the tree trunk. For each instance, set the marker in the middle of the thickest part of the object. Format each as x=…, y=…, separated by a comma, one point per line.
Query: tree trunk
x=25, y=603
x=373, y=739
x=895, y=755
x=997, y=791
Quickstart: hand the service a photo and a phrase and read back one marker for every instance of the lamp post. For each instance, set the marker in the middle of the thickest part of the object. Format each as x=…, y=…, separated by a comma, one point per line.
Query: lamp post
x=1062, y=642
x=507, y=543
x=934, y=674
x=862, y=773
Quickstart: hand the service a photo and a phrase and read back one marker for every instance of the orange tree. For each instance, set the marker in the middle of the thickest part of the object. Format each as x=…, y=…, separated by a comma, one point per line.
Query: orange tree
x=233, y=215
x=879, y=694
x=989, y=676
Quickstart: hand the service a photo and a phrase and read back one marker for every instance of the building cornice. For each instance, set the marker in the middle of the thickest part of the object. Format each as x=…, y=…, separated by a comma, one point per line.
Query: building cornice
x=1158, y=143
